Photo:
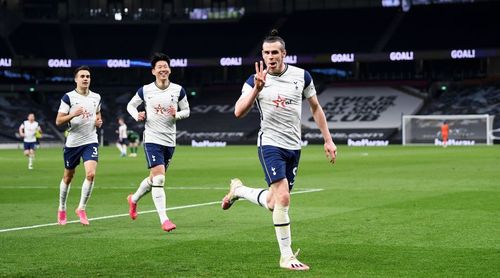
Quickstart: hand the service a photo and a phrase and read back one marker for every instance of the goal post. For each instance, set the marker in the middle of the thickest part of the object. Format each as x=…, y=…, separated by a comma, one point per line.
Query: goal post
x=463, y=129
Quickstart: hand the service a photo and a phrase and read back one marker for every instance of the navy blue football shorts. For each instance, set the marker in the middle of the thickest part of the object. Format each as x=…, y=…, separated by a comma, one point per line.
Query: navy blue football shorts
x=158, y=154
x=279, y=163
x=86, y=152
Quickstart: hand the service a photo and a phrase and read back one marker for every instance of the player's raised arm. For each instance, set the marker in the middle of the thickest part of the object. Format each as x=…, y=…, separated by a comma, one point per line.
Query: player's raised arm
x=320, y=119
x=246, y=101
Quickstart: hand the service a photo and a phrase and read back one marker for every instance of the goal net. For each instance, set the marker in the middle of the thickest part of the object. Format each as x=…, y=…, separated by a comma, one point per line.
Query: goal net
x=463, y=129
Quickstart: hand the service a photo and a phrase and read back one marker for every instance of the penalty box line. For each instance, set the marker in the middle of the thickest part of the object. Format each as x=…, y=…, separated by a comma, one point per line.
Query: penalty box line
x=140, y=212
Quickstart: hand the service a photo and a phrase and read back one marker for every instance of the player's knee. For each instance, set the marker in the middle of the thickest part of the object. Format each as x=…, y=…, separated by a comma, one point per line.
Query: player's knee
x=90, y=175
x=283, y=198
x=67, y=178
x=159, y=180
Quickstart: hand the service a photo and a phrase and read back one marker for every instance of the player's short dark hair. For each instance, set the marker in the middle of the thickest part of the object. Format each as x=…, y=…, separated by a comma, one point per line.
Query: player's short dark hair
x=81, y=68
x=159, y=57
x=274, y=37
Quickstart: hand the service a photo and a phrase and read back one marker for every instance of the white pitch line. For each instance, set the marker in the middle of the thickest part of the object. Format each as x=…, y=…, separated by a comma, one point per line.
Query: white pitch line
x=141, y=212
x=113, y=187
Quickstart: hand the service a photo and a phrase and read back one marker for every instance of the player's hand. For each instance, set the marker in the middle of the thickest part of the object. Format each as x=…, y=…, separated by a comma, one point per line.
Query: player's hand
x=260, y=76
x=98, y=122
x=331, y=151
x=172, y=111
x=78, y=111
x=141, y=116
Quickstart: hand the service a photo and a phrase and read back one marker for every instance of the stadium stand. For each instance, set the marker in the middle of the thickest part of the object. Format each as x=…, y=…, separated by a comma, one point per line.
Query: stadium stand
x=448, y=27
x=467, y=99
x=4, y=48
x=114, y=40
x=351, y=30
x=38, y=40
x=14, y=108
x=229, y=38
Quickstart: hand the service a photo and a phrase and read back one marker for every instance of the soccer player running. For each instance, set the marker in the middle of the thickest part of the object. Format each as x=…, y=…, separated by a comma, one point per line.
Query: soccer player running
x=80, y=110
x=122, y=137
x=28, y=130
x=277, y=91
x=165, y=103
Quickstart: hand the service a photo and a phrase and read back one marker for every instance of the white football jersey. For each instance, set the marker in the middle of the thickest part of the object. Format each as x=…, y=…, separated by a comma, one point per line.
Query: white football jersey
x=122, y=131
x=30, y=129
x=160, y=126
x=82, y=130
x=280, y=106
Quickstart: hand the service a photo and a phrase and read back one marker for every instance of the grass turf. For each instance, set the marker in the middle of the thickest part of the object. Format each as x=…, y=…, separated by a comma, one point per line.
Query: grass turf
x=392, y=211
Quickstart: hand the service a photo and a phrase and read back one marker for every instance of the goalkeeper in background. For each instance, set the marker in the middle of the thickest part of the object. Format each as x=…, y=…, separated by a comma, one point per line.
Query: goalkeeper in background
x=133, y=139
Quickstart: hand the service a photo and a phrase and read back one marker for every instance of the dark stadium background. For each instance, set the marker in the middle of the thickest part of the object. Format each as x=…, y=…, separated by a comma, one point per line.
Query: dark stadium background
x=203, y=34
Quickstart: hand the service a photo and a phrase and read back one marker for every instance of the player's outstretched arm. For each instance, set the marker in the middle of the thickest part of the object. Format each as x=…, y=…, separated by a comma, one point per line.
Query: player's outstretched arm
x=245, y=102
x=320, y=119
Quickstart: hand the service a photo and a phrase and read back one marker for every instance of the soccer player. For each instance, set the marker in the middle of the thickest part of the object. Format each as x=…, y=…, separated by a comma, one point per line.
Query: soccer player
x=278, y=91
x=28, y=130
x=165, y=103
x=122, y=137
x=444, y=133
x=133, y=139
x=80, y=109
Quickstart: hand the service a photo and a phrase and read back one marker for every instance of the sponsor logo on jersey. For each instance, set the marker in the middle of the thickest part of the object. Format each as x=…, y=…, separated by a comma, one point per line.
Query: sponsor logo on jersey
x=282, y=102
x=159, y=109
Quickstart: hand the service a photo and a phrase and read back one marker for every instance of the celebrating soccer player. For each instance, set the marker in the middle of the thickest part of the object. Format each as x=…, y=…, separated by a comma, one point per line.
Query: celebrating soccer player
x=165, y=103
x=28, y=131
x=81, y=110
x=277, y=91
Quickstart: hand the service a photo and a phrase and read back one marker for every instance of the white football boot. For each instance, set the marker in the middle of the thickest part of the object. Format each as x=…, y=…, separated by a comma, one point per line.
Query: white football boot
x=292, y=263
x=230, y=197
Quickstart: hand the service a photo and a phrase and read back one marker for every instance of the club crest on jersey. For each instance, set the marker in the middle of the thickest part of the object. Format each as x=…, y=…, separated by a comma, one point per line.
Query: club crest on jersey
x=159, y=109
x=282, y=102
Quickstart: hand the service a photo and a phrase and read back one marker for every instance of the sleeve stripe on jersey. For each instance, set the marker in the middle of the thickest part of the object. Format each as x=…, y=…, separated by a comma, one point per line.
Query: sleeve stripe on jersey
x=140, y=93
x=182, y=94
x=250, y=81
x=66, y=100
x=307, y=78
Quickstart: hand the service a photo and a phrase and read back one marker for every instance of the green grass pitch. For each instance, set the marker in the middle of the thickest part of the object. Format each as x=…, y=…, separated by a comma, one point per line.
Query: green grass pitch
x=384, y=212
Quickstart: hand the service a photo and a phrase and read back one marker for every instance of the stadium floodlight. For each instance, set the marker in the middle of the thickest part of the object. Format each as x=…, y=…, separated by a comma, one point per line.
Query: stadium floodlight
x=464, y=129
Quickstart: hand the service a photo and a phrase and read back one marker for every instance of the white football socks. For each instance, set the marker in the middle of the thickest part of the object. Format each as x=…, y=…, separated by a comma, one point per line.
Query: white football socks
x=255, y=195
x=282, y=227
x=86, y=191
x=159, y=198
x=63, y=194
x=143, y=189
